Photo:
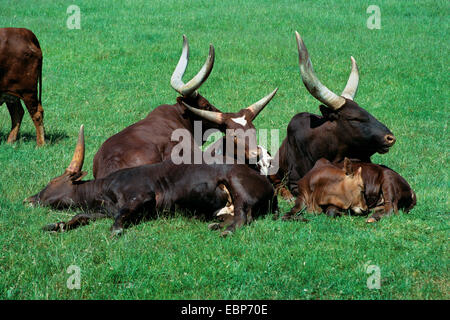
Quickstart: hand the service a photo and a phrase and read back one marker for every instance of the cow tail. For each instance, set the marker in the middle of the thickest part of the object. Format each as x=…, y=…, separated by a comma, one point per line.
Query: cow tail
x=40, y=81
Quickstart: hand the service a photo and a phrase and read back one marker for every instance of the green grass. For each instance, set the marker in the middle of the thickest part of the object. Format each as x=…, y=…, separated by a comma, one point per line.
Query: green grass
x=117, y=68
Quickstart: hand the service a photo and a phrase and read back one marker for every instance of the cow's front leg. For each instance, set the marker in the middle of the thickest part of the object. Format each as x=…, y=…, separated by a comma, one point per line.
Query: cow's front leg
x=129, y=213
x=79, y=220
x=239, y=219
x=120, y=220
x=298, y=207
x=333, y=211
x=380, y=212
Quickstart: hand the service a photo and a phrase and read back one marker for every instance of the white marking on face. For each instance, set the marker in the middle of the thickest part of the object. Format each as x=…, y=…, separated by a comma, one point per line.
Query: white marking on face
x=265, y=161
x=240, y=121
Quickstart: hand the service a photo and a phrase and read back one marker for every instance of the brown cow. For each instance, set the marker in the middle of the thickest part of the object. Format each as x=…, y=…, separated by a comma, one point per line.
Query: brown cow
x=20, y=75
x=150, y=140
x=328, y=188
x=344, y=129
x=128, y=195
x=385, y=191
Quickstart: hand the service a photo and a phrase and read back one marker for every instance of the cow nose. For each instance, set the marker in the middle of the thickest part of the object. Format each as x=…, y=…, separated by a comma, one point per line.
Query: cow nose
x=390, y=139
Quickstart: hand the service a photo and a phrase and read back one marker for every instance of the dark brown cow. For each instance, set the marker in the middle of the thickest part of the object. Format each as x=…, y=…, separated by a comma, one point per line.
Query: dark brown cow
x=326, y=188
x=149, y=140
x=344, y=129
x=20, y=75
x=129, y=195
x=385, y=191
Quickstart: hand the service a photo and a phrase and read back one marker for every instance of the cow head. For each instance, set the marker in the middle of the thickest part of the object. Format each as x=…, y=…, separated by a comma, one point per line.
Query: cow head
x=59, y=191
x=358, y=128
x=238, y=126
x=353, y=187
x=240, y=133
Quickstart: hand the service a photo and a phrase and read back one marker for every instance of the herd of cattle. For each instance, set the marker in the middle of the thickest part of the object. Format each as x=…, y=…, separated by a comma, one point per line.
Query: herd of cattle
x=324, y=161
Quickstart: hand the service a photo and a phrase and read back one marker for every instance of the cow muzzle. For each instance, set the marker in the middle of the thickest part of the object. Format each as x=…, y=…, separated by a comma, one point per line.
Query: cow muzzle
x=389, y=140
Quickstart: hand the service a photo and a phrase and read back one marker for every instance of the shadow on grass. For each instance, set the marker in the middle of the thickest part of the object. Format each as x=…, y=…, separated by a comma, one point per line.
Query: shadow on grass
x=52, y=137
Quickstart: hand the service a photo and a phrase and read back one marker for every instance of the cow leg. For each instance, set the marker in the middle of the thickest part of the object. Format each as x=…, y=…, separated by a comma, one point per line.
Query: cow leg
x=227, y=219
x=239, y=219
x=121, y=217
x=129, y=213
x=280, y=188
x=16, y=112
x=37, y=115
x=274, y=207
x=298, y=207
x=390, y=204
x=79, y=220
x=333, y=211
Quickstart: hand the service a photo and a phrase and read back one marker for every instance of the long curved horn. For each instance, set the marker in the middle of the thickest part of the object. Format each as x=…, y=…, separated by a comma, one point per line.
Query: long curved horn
x=195, y=83
x=78, y=156
x=352, y=84
x=312, y=83
x=258, y=106
x=216, y=117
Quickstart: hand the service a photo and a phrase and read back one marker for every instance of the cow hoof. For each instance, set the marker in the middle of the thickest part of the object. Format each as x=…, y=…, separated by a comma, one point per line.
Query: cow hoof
x=300, y=218
x=55, y=227
x=116, y=232
x=226, y=233
x=50, y=227
x=214, y=226
x=29, y=204
x=371, y=220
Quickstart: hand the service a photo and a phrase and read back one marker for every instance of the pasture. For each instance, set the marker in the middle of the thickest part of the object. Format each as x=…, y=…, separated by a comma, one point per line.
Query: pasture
x=117, y=67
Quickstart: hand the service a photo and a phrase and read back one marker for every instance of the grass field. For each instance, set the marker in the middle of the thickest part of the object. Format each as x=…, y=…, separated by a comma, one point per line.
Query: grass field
x=117, y=68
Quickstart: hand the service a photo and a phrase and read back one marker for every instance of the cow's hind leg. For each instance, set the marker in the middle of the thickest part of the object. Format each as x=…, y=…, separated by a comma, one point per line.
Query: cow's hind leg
x=16, y=112
x=37, y=115
x=79, y=220
x=133, y=212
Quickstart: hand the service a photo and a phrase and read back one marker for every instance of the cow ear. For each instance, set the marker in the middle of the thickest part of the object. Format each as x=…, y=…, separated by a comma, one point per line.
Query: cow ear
x=75, y=177
x=359, y=172
x=328, y=113
x=348, y=167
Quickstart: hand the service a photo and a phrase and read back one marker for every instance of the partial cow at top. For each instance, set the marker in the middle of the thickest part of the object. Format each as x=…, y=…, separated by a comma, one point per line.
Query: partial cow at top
x=20, y=76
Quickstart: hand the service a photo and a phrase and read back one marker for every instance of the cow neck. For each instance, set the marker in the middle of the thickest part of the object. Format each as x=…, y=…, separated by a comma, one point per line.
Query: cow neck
x=85, y=193
x=340, y=147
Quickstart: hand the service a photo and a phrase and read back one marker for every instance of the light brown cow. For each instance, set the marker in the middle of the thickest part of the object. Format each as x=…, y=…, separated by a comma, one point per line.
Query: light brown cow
x=326, y=188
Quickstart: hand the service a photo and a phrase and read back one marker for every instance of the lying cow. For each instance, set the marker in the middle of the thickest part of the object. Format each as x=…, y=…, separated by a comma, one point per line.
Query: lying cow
x=130, y=194
x=385, y=191
x=150, y=140
x=343, y=130
x=20, y=76
x=326, y=188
